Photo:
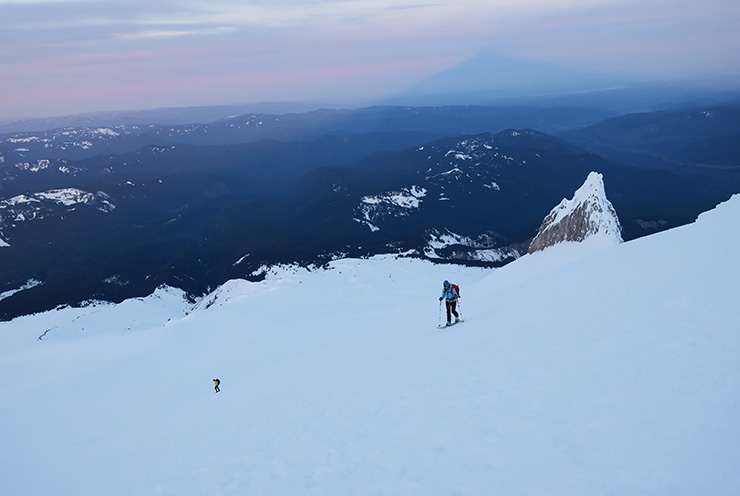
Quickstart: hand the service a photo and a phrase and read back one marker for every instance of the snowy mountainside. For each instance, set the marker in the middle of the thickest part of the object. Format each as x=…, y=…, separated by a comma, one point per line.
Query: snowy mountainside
x=303, y=203
x=452, y=169
x=588, y=213
x=462, y=189
x=394, y=203
x=449, y=245
x=336, y=381
x=476, y=159
x=71, y=143
x=194, y=217
x=37, y=206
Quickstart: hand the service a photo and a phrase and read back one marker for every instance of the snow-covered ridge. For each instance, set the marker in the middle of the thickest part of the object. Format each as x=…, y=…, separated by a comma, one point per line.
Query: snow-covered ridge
x=406, y=198
x=376, y=208
x=71, y=135
x=588, y=213
x=44, y=164
x=452, y=246
x=66, y=196
x=492, y=255
x=82, y=137
x=30, y=147
x=437, y=240
x=31, y=283
x=37, y=205
x=35, y=166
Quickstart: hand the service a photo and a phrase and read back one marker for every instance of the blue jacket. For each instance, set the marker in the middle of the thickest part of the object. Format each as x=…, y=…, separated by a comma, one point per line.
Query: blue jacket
x=449, y=294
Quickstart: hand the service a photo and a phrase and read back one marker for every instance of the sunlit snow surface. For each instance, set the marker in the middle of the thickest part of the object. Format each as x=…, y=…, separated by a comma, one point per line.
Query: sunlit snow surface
x=586, y=369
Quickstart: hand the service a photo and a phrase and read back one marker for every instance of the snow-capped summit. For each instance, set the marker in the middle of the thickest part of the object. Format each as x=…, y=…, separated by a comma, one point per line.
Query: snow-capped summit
x=588, y=214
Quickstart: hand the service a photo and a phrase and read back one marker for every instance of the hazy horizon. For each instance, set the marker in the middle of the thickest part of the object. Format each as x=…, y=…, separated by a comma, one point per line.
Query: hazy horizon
x=62, y=57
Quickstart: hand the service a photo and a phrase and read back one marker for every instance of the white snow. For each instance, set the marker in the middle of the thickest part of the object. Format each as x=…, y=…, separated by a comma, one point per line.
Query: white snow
x=480, y=254
x=475, y=249
x=586, y=369
x=115, y=280
x=67, y=197
x=106, y=131
x=454, y=171
x=406, y=198
x=440, y=240
x=459, y=155
x=375, y=208
x=241, y=259
x=591, y=195
x=17, y=200
x=31, y=283
x=28, y=139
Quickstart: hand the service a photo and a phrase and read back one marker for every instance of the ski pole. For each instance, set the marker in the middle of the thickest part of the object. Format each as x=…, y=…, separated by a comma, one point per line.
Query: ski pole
x=439, y=320
x=459, y=307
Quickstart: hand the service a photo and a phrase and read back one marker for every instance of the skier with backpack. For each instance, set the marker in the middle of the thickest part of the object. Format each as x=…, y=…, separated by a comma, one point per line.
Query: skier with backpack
x=450, y=293
x=217, y=383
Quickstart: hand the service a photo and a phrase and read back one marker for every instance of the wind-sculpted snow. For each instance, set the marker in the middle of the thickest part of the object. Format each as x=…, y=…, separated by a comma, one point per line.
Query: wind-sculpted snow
x=584, y=369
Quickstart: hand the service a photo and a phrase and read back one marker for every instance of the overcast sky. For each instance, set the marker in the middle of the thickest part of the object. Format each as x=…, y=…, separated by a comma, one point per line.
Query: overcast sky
x=70, y=56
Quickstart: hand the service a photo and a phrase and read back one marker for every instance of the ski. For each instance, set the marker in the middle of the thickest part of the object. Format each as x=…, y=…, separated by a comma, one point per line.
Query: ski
x=451, y=325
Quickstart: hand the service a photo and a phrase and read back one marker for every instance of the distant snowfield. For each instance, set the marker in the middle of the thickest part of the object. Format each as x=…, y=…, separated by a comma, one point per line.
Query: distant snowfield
x=587, y=369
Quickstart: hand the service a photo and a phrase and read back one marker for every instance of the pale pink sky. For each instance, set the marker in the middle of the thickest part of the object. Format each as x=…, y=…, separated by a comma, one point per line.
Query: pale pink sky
x=72, y=56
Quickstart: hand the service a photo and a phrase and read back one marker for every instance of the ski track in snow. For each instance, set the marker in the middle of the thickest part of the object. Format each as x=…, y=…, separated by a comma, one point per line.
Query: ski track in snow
x=586, y=369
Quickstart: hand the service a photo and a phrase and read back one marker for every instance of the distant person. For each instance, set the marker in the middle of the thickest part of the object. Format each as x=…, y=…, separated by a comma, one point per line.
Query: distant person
x=450, y=293
x=217, y=382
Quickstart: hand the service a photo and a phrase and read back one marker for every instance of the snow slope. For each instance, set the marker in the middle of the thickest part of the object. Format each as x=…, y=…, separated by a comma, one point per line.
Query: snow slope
x=584, y=369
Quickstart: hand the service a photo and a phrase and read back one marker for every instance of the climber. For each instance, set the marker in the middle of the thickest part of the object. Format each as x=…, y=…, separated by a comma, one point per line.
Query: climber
x=450, y=293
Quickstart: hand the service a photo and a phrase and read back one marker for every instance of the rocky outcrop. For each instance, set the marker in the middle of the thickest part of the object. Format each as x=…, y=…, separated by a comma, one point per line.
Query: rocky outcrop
x=588, y=214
